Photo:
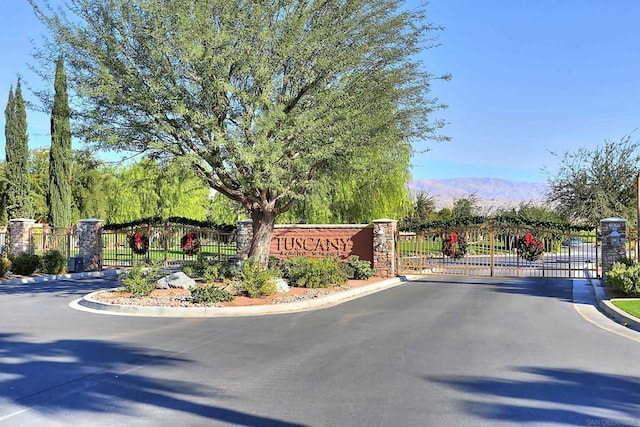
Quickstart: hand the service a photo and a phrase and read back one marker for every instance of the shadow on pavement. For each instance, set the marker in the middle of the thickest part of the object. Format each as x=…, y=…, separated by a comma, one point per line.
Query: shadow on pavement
x=558, y=288
x=101, y=377
x=570, y=396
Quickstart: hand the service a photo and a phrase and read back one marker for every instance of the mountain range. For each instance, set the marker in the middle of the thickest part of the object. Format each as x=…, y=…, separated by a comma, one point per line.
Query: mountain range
x=489, y=192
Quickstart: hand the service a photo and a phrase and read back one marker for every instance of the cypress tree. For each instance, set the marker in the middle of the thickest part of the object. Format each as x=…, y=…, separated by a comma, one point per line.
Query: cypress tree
x=17, y=153
x=60, y=157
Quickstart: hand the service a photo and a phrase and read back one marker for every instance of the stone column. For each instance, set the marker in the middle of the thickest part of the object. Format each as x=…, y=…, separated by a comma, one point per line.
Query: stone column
x=384, y=247
x=20, y=235
x=243, y=238
x=614, y=239
x=89, y=234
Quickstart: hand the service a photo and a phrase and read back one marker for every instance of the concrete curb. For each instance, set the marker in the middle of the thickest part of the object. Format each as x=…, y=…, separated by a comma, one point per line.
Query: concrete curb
x=54, y=277
x=607, y=307
x=88, y=303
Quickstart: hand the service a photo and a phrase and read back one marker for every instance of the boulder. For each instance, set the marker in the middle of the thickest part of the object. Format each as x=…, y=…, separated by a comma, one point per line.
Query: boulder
x=282, y=285
x=176, y=280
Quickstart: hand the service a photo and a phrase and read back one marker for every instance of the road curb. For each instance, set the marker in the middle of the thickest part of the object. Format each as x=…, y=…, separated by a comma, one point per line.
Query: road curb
x=607, y=307
x=89, y=303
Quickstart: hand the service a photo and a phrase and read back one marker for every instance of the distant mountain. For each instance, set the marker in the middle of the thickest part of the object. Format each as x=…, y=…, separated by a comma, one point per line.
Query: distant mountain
x=490, y=192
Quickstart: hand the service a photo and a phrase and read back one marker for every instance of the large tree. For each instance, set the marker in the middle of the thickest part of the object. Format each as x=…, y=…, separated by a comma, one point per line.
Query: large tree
x=19, y=204
x=262, y=98
x=592, y=184
x=59, y=196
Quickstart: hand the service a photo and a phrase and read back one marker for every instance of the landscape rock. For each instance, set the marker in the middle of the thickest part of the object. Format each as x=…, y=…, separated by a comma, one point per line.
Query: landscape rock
x=282, y=285
x=176, y=280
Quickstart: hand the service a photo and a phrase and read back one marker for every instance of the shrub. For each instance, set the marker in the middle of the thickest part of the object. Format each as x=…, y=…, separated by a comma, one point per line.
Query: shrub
x=209, y=270
x=211, y=273
x=210, y=294
x=315, y=272
x=24, y=264
x=358, y=269
x=5, y=264
x=187, y=269
x=624, y=278
x=257, y=281
x=629, y=262
x=53, y=262
x=140, y=280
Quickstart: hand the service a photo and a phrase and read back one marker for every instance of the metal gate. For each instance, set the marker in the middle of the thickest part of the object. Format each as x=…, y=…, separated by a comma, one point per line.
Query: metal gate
x=165, y=243
x=500, y=250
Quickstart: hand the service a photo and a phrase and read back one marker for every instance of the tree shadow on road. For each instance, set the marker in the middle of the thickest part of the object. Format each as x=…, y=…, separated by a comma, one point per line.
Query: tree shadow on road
x=557, y=288
x=568, y=396
x=93, y=376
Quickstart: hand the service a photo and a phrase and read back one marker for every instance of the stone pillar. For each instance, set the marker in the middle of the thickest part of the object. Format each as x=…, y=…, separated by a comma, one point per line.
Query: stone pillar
x=89, y=234
x=20, y=235
x=384, y=247
x=243, y=238
x=614, y=239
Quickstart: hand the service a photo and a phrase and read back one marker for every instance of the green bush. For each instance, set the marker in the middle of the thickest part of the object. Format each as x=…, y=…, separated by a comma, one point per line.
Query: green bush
x=625, y=278
x=257, y=281
x=53, y=262
x=24, y=264
x=210, y=270
x=629, y=262
x=315, y=272
x=210, y=294
x=140, y=279
x=358, y=269
x=5, y=264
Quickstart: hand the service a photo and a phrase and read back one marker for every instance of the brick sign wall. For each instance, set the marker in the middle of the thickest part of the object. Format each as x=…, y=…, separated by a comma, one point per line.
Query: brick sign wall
x=340, y=242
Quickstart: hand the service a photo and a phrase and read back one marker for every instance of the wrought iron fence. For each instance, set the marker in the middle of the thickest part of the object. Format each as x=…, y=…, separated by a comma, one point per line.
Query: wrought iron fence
x=44, y=238
x=169, y=244
x=498, y=250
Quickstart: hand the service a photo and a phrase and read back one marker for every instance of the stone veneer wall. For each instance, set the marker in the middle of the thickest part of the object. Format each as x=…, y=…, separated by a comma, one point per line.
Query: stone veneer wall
x=89, y=233
x=20, y=235
x=612, y=253
x=384, y=247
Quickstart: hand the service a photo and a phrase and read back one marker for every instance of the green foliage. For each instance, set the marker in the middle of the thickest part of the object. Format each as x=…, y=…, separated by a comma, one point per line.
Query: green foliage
x=358, y=269
x=210, y=295
x=315, y=272
x=158, y=189
x=625, y=277
x=592, y=184
x=24, y=264
x=91, y=180
x=257, y=281
x=59, y=195
x=5, y=264
x=210, y=270
x=53, y=262
x=141, y=279
x=465, y=207
x=509, y=220
x=266, y=99
x=19, y=202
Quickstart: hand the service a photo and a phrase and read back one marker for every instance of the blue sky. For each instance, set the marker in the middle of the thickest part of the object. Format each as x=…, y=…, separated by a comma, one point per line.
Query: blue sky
x=530, y=77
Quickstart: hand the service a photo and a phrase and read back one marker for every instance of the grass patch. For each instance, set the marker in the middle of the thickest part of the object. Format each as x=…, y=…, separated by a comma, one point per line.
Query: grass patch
x=630, y=306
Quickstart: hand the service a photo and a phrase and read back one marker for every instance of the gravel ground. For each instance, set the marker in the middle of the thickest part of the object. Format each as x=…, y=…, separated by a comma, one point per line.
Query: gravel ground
x=182, y=298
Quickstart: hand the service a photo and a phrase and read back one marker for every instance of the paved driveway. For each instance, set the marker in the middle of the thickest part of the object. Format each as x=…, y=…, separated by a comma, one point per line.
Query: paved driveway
x=438, y=352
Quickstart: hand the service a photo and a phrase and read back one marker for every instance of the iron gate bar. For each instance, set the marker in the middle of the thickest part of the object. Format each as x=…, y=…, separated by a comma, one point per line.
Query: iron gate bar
x=421, y=252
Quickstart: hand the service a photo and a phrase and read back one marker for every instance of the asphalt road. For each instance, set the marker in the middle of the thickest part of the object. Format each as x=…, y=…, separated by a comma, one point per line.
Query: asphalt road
x=438, y=352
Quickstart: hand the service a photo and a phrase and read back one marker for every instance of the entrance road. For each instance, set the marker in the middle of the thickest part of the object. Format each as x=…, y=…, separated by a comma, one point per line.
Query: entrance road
x=436, y=352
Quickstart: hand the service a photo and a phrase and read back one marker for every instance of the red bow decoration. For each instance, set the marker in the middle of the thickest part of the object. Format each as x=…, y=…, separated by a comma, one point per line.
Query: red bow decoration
x=137, y=242
x=528, y=239
x=453, y=239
